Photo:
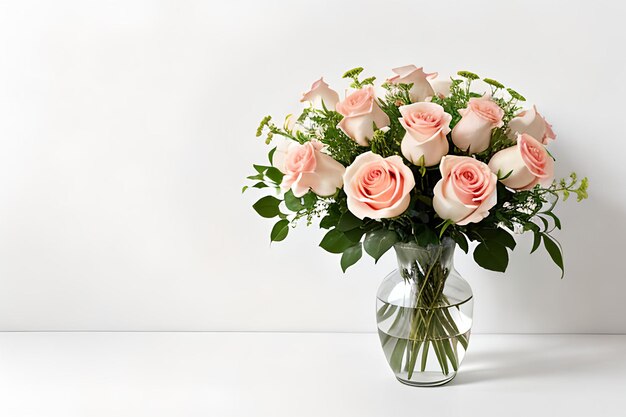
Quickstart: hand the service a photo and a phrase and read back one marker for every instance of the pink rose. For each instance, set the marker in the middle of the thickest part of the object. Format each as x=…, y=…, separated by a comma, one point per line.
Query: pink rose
x=306, y=167
x=473, y=132
x=466, y=191
x=528, y=162
x=378, y=187
x=426, y=125
x=320, y=92
x=410, y=74
x=360, y=112
x=533, y=123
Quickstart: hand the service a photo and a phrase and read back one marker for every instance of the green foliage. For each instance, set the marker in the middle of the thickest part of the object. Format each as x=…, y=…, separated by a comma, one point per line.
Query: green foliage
x=267, y=206
x=339, y=145
x=379, y=241
x=354, y=75
x=515, y=95
x=384, y=143
x=292, y=202
x=555, y=252
x=335, y=241
x=491, y=256
x=493, y=83
x=351, y=256
x=348, y=221
x=272, y=129
x=279, y=231
x=469, y=75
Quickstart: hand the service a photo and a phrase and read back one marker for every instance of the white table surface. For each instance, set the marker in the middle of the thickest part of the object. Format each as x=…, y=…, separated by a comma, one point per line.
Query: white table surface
x=301, y=374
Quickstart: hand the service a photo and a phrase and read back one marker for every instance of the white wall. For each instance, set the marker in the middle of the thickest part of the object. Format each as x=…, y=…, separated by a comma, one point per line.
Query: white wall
x=126, y=129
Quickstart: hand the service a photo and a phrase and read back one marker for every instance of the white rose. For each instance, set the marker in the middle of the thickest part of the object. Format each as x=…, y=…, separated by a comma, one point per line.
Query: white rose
x=320, y=92
x=410, y=74
x=440, y=84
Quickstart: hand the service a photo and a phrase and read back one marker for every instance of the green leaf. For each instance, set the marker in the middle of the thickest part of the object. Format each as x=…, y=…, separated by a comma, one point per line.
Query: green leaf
x=499, y=236
x=427, y=236
x=244, y=188
x=270, y=155
x=493, y=256
x=267, y=206
x=355, y=235
x=351, y=256
x=335, y=241
x=274, y=174
x=555, y=252
x=260, y=185
x=461, y=240
x=279, y=231
x=377, y=242
x=536, y=241
x=348, y=221
x=444, y=226
x=258, y=177
x=531, y=226
x=260, y=168
x=328, y=221
x=500, y=178
x=557, y=221
x=292, y=202
x=310, y=199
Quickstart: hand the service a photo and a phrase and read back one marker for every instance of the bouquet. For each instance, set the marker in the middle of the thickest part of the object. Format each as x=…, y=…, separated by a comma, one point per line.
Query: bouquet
x=431, y=161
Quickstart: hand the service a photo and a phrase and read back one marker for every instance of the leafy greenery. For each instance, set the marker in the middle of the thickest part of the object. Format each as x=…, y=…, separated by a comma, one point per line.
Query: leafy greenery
x=280, y=230
x=267, y=206
x=354, y=75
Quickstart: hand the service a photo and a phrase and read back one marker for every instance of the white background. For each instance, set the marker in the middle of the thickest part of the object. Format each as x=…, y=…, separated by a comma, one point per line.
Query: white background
x=127, y=128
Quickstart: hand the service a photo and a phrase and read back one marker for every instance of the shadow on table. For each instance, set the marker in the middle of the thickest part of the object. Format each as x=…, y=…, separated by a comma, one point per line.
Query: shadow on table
x=556, y=358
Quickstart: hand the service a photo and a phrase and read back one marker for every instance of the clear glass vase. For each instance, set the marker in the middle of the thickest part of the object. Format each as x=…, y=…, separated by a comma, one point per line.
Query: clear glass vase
x=424, y=314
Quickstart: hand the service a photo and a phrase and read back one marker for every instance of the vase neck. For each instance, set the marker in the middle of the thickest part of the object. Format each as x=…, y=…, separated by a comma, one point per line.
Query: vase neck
x=417, y=262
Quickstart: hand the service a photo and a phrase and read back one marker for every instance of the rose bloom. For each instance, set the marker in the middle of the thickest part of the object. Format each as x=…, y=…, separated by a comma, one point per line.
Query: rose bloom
x=307, y=168
x=426, y=125
x=378, y=187
x=467, y=190
x=532, y=122
x=528, y=162
x=473, y=132
x=320, y=92
x=360, y=112
x=440, y=84
x=410, y=74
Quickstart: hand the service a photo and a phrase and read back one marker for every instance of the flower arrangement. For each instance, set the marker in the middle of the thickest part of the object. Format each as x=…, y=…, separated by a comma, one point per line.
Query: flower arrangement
x=431, y=159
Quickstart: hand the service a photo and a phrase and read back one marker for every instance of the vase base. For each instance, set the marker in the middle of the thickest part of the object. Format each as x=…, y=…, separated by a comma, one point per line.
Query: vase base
x=426, y=382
